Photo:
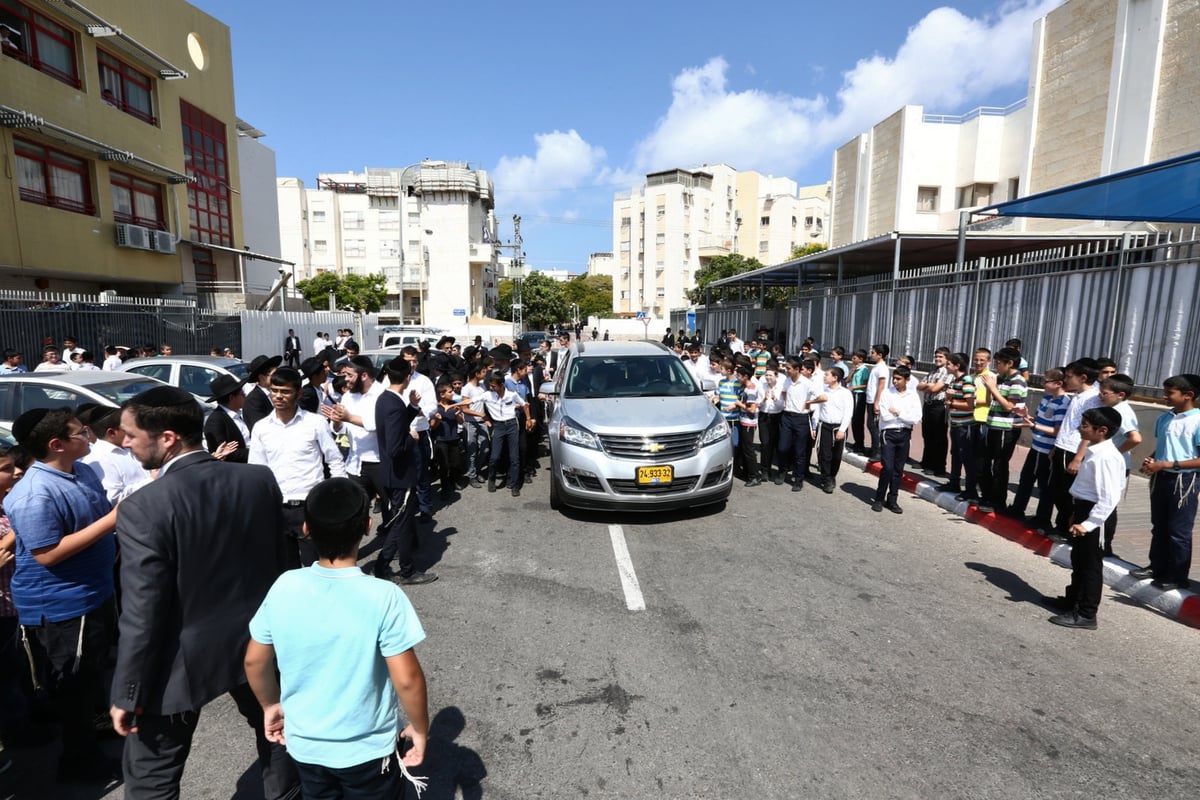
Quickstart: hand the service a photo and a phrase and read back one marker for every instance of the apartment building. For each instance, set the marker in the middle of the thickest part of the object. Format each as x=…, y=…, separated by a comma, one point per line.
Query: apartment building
x=1112, y=86
x=667, y=229
x=429, y=228
x=118, y=122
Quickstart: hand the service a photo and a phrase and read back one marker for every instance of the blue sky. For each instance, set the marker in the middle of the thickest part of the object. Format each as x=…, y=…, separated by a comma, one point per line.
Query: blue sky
x=566, y=103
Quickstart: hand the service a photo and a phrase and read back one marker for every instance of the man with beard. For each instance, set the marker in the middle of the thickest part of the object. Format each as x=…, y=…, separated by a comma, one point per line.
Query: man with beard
x=356, y=416
x=200, y=547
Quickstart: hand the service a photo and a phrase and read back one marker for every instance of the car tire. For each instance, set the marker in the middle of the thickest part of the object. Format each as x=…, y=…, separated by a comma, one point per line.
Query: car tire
x=556, y=502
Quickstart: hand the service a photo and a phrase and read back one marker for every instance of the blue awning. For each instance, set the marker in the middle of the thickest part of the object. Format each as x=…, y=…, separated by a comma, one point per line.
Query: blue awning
x=1168, y=191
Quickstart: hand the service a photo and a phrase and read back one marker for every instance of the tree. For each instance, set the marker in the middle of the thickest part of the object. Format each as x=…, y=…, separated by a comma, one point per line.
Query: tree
x=592, y=293
x=802, y=250
x=718, y=268
x=541, y=299
x=366, y=293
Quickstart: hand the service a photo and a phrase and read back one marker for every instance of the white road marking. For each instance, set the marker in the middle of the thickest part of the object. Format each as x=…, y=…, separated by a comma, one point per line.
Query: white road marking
x=629, y=582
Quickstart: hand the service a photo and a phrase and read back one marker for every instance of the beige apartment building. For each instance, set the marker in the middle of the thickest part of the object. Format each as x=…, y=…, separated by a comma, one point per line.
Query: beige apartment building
x=668, y=228
x=429, y=228
x=1112, y=86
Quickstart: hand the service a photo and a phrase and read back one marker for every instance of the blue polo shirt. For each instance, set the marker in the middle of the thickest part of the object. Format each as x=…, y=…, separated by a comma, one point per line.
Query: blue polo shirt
x=43, y=507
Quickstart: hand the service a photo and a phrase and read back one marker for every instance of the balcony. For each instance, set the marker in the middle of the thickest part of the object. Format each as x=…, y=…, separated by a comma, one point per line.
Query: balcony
x=715, y=246
x=480, y=253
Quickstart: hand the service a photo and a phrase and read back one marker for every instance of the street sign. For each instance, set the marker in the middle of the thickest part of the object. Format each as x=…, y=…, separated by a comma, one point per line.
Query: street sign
x=460, y=312
x=641, y=315
x=518, y=306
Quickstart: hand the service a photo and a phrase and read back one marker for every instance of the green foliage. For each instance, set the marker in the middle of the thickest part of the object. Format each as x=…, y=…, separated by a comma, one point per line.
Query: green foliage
x=366, y=293
x=504, y=293
x=541, y=298
x=800, y=251
x=718, y=268
x=592, y=293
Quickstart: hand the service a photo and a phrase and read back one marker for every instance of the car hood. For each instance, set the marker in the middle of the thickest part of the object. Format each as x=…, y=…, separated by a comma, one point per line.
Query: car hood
x=651, y=414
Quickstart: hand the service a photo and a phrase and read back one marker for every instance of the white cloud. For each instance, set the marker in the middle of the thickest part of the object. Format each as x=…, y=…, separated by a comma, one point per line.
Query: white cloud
x=939, y=65
x=563, y=161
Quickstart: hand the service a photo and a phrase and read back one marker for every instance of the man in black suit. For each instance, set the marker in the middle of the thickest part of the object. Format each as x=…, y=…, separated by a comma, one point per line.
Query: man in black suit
x=291, y=349
x=314, y=370
x=225, y=431
x=200, y=547
x=399, y=461
x=258, y=399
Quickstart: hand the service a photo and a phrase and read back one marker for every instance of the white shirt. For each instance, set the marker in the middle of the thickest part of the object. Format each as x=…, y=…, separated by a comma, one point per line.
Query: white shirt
x=736, y=345
x=474, y=393
x=907, y=405
x=296, y=452
x=46, y=366
x=86, y=367
x=119, y=471
x=502, y=408
x=112, y=363
x=238, y=420
x=1101, y=479
x=364, y=443
x=770, y=398
x=428, y=402
x=837, y=409
x=796, y=394
x=319, y=345
x=878, y=370
x=1068, y=433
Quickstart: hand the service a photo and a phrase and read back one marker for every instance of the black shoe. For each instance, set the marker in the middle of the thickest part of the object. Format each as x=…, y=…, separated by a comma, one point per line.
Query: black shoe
x=516, y=490
x=529, y=477
x=828, y=487
x=950, y=486
x=1055, y=536
x=967, y=496
x=750, y=484
x=797, y=486
x=1073, y=619
x=377, y=508
x=1141, y=574
x=425, y=518
x=1060, y=603
x=778, y=479
x=383, y=571
x=417, y=578
x=491, y=484
x=1169, y=586
x=984, y=508
x=894, y=508
x=474, y=483
x=877, y=507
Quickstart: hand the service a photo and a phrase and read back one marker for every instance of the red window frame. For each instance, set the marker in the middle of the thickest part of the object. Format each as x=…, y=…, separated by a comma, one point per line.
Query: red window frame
x=126, y=75
x=203, y=265
x=205, y=156
x=135, y=187
x=49, y=157
x=36, y=26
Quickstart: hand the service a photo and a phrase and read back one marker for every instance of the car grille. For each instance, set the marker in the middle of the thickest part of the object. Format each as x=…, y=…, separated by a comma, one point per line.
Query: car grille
x=655, y=447
x=631, y=487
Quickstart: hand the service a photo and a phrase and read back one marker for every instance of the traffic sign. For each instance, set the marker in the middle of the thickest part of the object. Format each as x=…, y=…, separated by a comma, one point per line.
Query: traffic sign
x=641, y=315
x=460, y=312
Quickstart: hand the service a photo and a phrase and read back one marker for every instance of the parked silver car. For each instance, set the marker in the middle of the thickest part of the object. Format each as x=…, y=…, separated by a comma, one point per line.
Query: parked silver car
x=191, y=373
x=26, y=391
x=629, y=428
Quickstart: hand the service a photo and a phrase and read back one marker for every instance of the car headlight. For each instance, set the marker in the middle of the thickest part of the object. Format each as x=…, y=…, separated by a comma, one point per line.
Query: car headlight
x=571, y=432
x=717, y=432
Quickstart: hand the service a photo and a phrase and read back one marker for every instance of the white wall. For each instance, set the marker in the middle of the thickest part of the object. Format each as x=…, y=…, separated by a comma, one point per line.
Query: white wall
x=260, y=211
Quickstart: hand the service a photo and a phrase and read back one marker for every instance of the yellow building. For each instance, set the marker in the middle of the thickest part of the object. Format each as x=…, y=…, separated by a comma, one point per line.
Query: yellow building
x=119, y=144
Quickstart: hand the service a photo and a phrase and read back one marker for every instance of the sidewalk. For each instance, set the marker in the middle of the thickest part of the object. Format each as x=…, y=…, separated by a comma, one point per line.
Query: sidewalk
x=1132, y=541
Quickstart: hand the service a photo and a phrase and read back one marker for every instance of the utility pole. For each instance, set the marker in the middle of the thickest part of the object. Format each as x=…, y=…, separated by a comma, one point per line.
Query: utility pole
x=516, y=273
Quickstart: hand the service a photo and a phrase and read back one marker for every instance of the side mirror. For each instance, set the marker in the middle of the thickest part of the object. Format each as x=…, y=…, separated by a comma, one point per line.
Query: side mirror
x=548, y=388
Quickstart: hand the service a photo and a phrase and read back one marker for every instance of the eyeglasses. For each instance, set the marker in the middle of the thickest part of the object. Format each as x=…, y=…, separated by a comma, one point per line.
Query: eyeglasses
x=79, y=434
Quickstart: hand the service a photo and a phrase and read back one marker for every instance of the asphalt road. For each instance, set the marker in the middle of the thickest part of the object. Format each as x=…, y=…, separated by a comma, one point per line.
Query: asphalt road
x=790, y=646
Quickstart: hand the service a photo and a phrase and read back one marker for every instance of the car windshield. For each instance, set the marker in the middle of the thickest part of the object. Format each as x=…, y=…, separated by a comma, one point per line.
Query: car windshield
x=120, y=391
x=639, y=376
x=240, y=370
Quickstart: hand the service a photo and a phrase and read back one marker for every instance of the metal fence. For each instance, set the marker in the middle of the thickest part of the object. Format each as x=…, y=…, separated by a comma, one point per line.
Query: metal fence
x=1135, y=300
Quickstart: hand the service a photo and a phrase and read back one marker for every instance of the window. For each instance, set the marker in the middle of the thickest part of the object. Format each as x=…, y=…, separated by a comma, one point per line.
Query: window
x=375, y=201
x=38, y=41
x=660, y=212
x=660, y=239
x=123, y=87
x=660, y=292
x=414, y=218
x=763, y=246
x=318, y=215
x=389, y=220
x=389, y=248
x=624, y=222
x=927, y=198
x=136, y=201
x=320, y=245
x=764, y=221
x=624, y=247
x=976, y=194
x=52, y=178
x=1014, y=188
x=353, y=220
x=203, y=265
x=204, y=157
x=355, y=248
x=197, y=380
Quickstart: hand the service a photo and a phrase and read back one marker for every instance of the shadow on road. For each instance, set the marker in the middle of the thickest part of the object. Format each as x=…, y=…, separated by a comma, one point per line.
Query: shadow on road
x=1019, y=590
x=453, y=771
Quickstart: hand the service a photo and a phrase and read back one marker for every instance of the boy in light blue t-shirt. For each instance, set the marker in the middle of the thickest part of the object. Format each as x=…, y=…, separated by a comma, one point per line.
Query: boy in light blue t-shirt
x=342, y=642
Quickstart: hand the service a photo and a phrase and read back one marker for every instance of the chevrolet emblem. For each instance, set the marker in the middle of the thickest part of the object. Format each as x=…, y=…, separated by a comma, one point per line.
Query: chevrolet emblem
x=653, y=447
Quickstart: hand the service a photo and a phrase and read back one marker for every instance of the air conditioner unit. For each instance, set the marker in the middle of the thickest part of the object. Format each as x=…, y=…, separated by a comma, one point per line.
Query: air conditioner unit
x=134, y=236
x=164, y=242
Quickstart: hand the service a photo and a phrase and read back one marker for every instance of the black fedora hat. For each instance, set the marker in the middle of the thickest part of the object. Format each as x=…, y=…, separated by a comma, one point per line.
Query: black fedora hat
x=310, y=366
x=261, y=364
x=224, y=385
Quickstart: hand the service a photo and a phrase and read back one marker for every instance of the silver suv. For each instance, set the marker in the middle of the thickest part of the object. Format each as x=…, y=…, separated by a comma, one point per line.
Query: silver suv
x=630, y=428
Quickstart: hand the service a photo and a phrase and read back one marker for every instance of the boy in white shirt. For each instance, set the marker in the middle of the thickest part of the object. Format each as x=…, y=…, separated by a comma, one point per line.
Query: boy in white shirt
x=899, y=410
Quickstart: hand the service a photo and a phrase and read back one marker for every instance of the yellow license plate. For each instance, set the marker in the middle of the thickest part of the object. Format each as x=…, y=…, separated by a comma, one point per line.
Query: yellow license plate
x=655, y=475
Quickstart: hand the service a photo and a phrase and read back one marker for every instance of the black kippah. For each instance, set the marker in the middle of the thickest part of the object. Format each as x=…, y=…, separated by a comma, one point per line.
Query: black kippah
x=164, y=396
x=25, y=423
x=335, y=502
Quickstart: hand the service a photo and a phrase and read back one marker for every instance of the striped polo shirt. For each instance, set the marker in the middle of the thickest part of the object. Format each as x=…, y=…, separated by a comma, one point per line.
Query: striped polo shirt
x=961, y=388
x=1050, y=412
x=1012, y=388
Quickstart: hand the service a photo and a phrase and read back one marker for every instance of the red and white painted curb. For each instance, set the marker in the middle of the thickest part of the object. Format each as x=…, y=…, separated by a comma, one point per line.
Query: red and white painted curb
x=1179, y=604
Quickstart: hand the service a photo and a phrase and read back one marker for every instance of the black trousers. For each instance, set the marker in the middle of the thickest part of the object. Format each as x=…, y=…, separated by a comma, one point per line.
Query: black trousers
x=399, y=530
x=768, y=442
x=894, y=455
x=873, y=429
x=378, y=779
x=858, y=420
x=1110, y=525
x=1087, y=564
x=1061, y=482
x=795, y=444
x=301, y=552
x=993, y=478
x=154, y=756
x=829, y=450
x=963, y=442
x=368, y=479
x=73, y=667
x=1035, y=470
x=934, y=418
x=745, y=456
x=1173, y=501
